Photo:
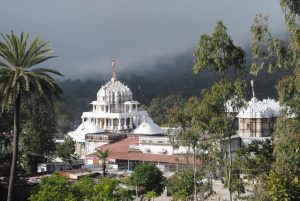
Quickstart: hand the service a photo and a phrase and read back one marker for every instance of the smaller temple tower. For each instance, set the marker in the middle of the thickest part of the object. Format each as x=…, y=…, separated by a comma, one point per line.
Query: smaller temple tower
x=258, y=118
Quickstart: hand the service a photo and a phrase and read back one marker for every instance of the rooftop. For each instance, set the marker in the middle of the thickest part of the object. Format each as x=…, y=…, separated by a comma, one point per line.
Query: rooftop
x=119, y=151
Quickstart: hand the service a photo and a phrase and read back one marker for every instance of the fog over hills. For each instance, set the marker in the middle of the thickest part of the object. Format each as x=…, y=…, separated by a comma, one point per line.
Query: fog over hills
x=162, y=77
x=86, y=35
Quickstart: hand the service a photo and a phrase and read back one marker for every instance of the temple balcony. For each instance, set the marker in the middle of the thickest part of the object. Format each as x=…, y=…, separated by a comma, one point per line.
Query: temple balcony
x=104, y=137
x=154, y=140
x=112, y=115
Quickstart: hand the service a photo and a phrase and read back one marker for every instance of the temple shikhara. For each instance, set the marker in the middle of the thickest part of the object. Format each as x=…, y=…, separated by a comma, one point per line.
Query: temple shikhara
x=116, y=123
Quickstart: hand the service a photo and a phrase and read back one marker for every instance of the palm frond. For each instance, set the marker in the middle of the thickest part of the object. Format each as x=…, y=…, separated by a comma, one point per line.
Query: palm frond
x=16, y=76
x=47, y=70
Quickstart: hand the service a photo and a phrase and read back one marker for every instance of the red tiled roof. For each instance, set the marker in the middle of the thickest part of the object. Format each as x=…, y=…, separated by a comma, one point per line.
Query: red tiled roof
x=119, y=151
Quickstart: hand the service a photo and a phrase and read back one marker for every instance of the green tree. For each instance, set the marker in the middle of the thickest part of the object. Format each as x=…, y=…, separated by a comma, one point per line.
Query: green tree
x=6, y=120
x=275, y=53
x=66, y=149
x=20, y=79
x=54, y=188
x=205, y=120
x=159, y=107
x=150, y=195
x=62, y=119
x=84, y=188
x=237, y=185
x=183, y=181
x=213, y=116
x=103, y=155
x=180, y=195
x=287, y=147
x=282, y=187
x=5, y=161
x=110, y=189
x=256, y=159
x=147, y=177
x=189, y=135
x=37, y=145
x=217, y=53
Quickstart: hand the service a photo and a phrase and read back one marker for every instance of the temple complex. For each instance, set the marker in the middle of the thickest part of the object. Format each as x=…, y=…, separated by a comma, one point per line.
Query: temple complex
x=114, y=116
x=115, y=123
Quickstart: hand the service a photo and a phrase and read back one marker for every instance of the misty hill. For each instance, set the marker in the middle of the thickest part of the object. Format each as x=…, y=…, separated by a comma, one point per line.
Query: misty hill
x=166, y=76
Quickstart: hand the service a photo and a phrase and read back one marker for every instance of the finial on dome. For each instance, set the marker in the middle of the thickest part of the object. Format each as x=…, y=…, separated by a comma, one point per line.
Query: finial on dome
x=252, y=85
x=114, y=75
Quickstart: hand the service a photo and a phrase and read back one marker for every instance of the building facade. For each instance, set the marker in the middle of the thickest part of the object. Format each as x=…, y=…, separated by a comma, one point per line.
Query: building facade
x=114, y=116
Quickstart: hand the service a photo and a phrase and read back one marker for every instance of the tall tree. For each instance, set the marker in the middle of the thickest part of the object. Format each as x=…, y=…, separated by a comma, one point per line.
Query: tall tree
x=103, y=155
x=275, y=54
x=20, y=80
x=189, y=135
x=217, y=53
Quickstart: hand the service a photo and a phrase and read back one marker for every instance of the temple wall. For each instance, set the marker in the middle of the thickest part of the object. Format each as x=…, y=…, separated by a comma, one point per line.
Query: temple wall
x=90, y=146
x=256, y=127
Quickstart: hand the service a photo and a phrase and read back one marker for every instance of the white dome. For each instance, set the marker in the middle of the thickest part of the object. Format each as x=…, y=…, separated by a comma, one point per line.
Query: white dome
x=90, y=128
x=85, y=128
x=148, y=127
x=261, y=109
x=113, y=86
x=114, y=91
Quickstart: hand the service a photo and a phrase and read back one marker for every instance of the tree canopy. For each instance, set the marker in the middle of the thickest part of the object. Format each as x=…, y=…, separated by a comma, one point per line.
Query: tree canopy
x=217, y=53
x=66, y=149
x=58, y=188
x=148, y=178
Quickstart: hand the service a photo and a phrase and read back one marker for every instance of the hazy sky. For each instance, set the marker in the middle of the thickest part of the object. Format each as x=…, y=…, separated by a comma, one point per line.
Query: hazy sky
x=87, y=34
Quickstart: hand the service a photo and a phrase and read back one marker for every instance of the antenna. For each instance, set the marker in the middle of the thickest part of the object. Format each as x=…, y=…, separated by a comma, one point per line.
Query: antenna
x=114, y=75
x=252, y=85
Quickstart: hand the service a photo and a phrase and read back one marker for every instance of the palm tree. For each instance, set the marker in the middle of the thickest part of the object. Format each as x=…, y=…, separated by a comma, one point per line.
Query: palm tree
x=103, y=155
x=21, y=80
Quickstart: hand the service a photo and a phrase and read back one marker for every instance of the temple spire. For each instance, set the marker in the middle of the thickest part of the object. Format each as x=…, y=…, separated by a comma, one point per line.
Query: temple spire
x=114, y=75
x=252, y=86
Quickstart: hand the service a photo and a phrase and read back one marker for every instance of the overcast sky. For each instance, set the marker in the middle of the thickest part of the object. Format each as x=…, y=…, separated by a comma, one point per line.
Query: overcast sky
x=87, y=34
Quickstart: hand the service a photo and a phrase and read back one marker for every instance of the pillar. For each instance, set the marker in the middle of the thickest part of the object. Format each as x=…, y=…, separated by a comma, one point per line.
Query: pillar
x=130, y=123
x=112, y=123
x=105, y=123
x=119, y=126
x=125, y=125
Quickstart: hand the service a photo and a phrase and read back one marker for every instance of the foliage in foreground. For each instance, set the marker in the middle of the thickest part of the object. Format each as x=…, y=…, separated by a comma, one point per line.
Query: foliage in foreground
x=181, y=184
x=58, y=188
x=147, y=177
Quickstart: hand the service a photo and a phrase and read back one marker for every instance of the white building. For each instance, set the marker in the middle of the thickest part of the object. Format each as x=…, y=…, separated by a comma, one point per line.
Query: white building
x=114, y=115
